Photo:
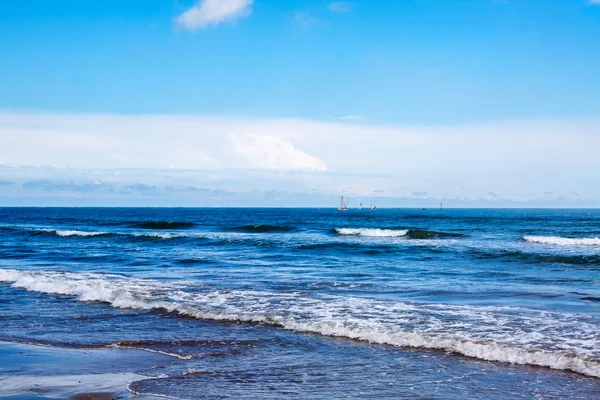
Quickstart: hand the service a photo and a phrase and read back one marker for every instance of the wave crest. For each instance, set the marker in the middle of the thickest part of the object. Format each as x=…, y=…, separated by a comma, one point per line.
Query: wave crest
x=562, y=241
x=371, y=232
x=513, y=335
x=408, y=233
x=67, y=233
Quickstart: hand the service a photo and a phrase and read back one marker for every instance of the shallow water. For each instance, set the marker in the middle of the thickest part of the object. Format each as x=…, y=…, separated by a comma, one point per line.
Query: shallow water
x=316, y=303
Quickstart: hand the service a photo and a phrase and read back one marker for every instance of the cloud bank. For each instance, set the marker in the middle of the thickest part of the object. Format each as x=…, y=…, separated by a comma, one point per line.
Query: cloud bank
x=212, y=12
x=302, y=161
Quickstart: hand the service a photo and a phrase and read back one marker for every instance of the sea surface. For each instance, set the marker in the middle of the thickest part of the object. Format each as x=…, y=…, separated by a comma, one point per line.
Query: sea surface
x=315, y=303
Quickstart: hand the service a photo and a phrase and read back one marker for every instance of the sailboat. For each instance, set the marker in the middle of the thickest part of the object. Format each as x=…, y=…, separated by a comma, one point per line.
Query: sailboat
x=343, y=206
x=373, y=206
x=360, y=206
x=441, y=206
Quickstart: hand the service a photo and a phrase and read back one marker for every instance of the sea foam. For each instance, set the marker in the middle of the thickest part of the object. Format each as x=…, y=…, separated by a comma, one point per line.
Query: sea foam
x=67, y=233
x=507, y=334
x=563, y=241
x=372, y=232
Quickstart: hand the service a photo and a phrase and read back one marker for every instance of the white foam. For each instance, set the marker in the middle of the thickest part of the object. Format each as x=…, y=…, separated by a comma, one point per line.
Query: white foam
x=507, y=334
x=73, y=232
x=563, y=241
x=164, y=353
x=372, y=232
x=160, y=235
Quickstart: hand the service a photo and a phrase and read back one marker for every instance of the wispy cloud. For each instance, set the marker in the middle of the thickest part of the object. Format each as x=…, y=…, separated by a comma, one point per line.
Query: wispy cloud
x=595, y=2
x=351, y=118
x=304, y=19
x=212, y=12
x=140, y=187
x=339, y=6
x=66, y=186
x=6, y=183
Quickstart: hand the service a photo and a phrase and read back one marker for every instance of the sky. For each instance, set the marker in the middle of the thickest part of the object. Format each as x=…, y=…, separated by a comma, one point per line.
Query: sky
x=474, y=103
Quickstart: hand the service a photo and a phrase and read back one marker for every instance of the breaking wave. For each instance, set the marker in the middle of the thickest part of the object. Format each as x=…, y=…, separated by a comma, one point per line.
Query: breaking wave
x=408, y=233
x=88, y=234
x=155, y=236
x=67, y=233
x=506, y=334
x=371, y=232
x=562, y=241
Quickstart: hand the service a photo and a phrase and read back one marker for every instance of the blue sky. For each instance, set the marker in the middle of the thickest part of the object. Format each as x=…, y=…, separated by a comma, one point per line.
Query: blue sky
x=298, y=88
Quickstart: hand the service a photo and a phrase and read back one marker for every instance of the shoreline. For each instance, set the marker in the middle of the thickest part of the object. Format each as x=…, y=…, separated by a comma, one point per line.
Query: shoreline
x=32, y=372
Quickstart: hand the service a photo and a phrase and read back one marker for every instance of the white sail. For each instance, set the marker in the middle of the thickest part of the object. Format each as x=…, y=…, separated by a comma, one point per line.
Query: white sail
x=373, y=206
x=343, y=206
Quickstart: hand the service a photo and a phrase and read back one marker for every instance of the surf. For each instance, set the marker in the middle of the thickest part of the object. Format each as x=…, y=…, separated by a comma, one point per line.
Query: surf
x=501, y=334
x=70, y=232
x=562, y=241
x=396, y=233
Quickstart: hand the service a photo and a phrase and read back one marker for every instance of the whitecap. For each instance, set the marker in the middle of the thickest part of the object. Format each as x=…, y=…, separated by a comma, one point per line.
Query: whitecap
x=67, y=233
x=562, y=241
x=372, y=232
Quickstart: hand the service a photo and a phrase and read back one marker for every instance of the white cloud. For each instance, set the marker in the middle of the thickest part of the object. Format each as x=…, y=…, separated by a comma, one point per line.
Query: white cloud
x=594, y=1
x=518, y=159
x=304, y=19
x=339, y=6
x=212, y=12
x=270, y=152
x=352, y=118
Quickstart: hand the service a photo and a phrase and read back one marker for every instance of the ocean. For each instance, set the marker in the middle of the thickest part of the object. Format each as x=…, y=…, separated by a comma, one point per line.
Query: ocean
x=312, y=303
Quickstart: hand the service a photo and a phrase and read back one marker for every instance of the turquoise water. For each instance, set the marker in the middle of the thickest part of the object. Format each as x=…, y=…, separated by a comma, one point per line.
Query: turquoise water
x=307, y=303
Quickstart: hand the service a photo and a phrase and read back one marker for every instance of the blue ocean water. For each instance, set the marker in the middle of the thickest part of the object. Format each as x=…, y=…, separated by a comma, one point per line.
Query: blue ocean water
x=308, y=303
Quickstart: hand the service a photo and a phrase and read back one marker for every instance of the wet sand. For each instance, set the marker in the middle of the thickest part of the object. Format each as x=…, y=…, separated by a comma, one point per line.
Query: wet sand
x=29, y=372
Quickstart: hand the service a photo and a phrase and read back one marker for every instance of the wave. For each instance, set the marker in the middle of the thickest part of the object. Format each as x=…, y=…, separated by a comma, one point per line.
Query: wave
x=88, y=234
x=371, y=232
x=263, y=228
x=194, y=261
x=408, y=233
x=162, y=225
x=155, y=236
x=535, y=258
x=505, y=334
x=425, y=234
x=349, y=247
x=67, y=233
x=562, y=241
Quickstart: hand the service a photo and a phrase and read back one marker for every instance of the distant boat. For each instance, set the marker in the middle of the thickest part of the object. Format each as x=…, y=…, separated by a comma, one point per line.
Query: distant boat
x=343, y=206
x=373, y=206
x=441, y=206
x=360, y=206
